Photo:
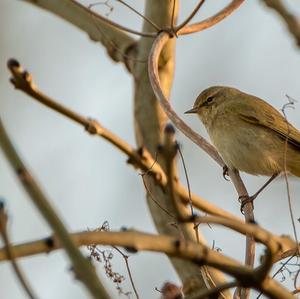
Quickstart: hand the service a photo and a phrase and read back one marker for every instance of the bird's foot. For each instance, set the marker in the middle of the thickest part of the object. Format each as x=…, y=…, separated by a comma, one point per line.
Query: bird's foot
x=245, y=199
x=225, y=173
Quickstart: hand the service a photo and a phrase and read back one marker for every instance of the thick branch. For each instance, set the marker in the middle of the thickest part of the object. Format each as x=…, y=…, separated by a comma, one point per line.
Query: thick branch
x=117, y=43
x=195, y=252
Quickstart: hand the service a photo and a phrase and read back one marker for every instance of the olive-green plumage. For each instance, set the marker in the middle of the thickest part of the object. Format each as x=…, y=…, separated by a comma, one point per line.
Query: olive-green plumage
x=250, y=134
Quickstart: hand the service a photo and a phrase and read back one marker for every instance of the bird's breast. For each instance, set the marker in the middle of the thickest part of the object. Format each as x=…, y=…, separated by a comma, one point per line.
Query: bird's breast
x=244, y=147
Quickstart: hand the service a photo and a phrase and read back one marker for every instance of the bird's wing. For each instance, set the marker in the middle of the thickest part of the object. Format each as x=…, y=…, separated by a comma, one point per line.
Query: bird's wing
x=273, y=120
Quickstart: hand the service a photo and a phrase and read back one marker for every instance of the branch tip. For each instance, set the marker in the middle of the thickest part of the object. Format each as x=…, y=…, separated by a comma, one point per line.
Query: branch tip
x=13, y=63
x=170, y=129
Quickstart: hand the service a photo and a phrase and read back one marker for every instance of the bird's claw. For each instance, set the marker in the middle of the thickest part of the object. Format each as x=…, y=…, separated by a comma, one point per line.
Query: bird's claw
x=245, y=199
x=225, y=172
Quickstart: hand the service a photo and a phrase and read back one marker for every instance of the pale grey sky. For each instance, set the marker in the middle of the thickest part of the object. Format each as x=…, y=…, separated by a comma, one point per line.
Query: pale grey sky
x=86, y=178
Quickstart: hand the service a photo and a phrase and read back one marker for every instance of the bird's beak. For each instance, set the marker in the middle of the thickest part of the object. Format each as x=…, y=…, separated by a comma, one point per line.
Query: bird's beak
x=193, y=110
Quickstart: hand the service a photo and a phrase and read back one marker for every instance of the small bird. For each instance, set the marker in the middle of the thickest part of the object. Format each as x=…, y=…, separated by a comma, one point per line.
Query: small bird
x=250, y=135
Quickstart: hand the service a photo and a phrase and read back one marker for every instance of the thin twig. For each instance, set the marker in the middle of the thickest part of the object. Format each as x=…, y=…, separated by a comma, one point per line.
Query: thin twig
x=189, y=18
x=168, y=151
x=287, y=105
x=114, y=47
x=155, y=201
x=126, y=257
x=105, y=3
x=279, y=270
x=141, y=15
x=286, y=171
x=114, y=24
x=189, y=192
x=10, y=253
x=80, y=16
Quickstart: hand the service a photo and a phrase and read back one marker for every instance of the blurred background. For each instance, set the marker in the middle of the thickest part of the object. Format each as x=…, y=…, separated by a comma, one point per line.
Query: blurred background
x=88, y=180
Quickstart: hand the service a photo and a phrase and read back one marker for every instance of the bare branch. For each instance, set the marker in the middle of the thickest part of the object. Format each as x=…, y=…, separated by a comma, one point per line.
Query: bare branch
x=10, y=254
x=158, y=44
x=215, y=292
x=203, y=205
x=141, y=15
x=116, y=25
x=211, y=21
x=195, y=252
x=126, y=257
x=291, y=21
x=139, y=158
x=81, y=17
x=168, y=151
x=82, y=267
x=189, y=18
x=157, y=47
x=23, y=80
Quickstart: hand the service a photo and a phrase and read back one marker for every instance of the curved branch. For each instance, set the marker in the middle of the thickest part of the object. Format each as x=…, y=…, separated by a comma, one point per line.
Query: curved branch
x=156, y=49
x=195, y=252
x=158, y=44
x=211, y=21
x=114, y=24
x=186, y=21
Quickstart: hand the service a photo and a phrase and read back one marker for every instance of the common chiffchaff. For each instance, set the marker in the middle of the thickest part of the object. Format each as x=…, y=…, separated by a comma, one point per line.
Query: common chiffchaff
x=250, y=134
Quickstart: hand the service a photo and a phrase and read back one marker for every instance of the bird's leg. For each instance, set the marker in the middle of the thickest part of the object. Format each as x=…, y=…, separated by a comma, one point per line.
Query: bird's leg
x=225, y=172
x=244, y=199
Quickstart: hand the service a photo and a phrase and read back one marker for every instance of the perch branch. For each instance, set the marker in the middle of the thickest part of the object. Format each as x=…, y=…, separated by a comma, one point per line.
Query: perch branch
x=157, y=47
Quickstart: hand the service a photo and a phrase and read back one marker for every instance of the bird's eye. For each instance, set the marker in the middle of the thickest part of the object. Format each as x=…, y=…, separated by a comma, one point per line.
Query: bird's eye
x=209, y=100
